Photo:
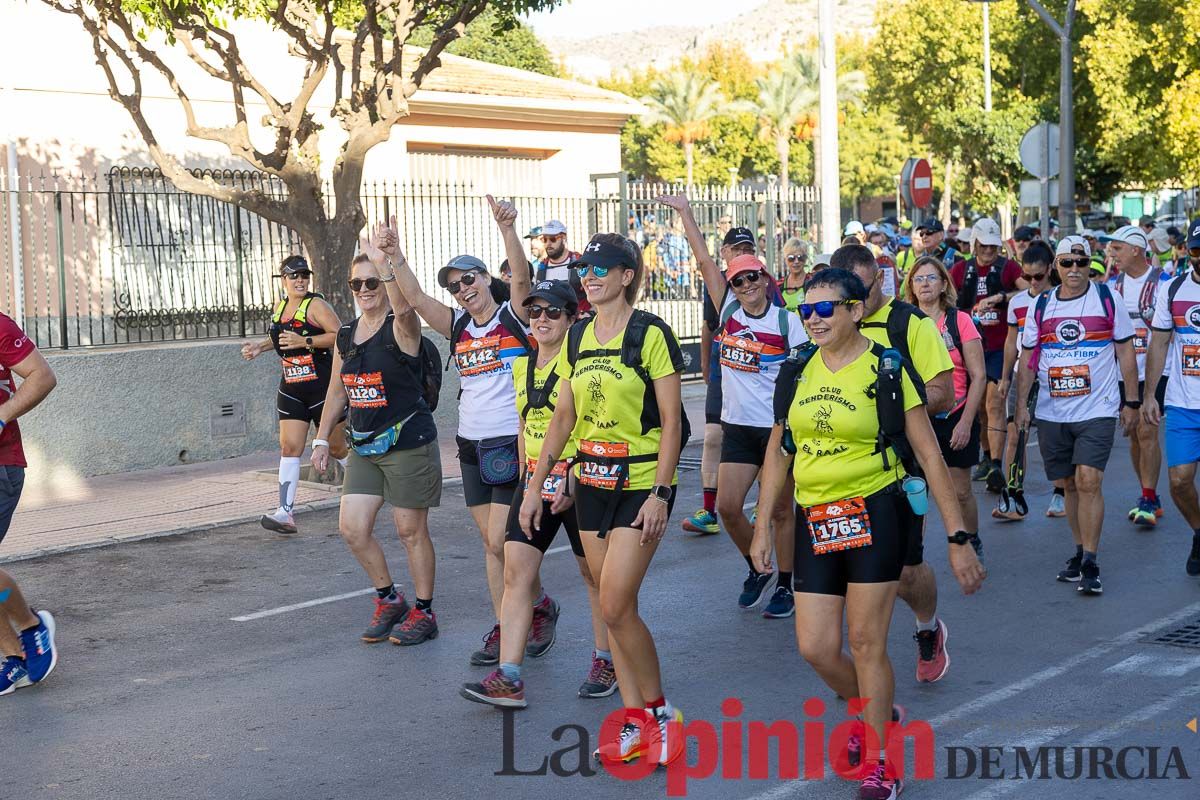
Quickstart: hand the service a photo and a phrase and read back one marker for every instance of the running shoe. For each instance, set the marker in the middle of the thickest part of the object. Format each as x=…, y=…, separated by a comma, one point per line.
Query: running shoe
x=782, y=605
x=1071, y=572
x=1089, y=582
x=753, y=588
x=703, y=521
x=489, y=654
x=932, y=658
x=13, y=675
x=1193, y=559
x=280, y=522
x=417, y=627
x=388, y=614
x=1057, y=507
x=855, y=741
x=982, y=470
x=496, y=690
x=41, y=656
x=601, y=680
x=627, y=746
x=880, y=785
x=1158, y=512
x=1143, y=513
x=543, y=630
x=667, y=742
x=1007, y=508
x=995, y=479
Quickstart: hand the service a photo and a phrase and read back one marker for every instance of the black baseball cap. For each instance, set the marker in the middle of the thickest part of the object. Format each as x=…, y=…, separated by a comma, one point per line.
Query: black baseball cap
x=932, y=226
x=293, y=264
x=556, y=293
x=738, y=236
x=1193, y=237
x=1025, y=233
x=603, y=254
x=464, y=263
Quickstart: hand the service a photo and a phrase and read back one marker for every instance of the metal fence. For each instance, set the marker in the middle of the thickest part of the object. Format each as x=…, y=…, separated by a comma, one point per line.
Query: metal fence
x=126, y=258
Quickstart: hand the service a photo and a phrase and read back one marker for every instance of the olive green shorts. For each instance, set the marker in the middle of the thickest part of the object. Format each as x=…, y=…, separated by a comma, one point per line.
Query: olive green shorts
x=405, y=478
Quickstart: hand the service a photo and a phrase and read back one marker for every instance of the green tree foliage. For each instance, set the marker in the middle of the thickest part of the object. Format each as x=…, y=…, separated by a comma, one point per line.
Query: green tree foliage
x=685, y=103
x=872, y=148
x=498, y=39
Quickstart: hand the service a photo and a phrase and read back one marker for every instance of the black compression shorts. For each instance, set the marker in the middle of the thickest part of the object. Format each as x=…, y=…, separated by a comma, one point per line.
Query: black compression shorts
x=544, y=536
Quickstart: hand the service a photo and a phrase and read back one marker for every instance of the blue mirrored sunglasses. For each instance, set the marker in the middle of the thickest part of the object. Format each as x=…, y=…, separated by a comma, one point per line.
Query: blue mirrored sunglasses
x=599, y=272
x=824, y=308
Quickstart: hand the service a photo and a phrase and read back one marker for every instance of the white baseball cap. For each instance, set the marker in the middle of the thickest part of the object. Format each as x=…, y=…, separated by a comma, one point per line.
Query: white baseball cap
x=1159, y=242
x=853, y=228
x=1067, y=245
x=553, y=228
x=1129, y=234
x=986, y=232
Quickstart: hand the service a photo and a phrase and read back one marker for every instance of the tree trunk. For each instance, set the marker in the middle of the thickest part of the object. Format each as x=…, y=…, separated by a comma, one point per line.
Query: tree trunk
x=781, y=148
x=689, y=158
x=330, y=252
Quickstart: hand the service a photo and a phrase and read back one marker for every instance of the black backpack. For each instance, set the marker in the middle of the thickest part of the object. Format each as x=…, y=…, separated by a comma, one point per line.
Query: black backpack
x=889, y=402
x=535, y=397
x=427, y=354
x=969, y=294
x=631, y=356
x=899, y=318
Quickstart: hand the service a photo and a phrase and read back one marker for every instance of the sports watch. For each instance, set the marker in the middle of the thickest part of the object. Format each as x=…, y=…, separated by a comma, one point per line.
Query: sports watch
x=960, y=537
x=661, y=492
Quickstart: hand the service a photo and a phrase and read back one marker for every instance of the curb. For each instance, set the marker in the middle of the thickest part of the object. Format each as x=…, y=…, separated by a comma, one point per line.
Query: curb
x=319, y=505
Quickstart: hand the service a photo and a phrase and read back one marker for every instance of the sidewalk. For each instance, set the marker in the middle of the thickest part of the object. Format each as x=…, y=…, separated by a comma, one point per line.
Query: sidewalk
x=110, y=509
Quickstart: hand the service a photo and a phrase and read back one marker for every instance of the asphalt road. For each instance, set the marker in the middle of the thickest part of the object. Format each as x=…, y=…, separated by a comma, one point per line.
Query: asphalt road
x=160, y=694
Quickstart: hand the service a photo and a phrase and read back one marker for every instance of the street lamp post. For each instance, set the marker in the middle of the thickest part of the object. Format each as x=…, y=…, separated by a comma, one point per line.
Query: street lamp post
x=1066, y=119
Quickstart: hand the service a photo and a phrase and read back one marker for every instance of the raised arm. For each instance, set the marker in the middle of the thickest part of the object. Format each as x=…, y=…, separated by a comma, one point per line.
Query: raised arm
x=436, y=314
x=505, y=214
x=695, y=237
x=385, y=254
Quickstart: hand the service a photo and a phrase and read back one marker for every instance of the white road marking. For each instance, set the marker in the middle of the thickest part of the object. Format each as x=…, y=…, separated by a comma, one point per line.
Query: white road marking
x=1158, y=665
x=297, y=606
x=800, y=788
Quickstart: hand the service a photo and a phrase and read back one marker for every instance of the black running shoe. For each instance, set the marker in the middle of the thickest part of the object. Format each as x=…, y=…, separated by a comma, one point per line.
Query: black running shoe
x=1193, y=561
x=1089, y=583
x=995, y=479
x=1072, y=571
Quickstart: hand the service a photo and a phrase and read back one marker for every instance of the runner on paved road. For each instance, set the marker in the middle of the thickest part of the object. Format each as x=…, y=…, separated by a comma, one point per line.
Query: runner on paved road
x=303, y=329
x=552, y=309
x=852, y=517
x=1175, y=352
x=985, y=282
x=737, y=241
x=753, y=338
x=394, y=455
x=1081, y=343
x=27, y=651
x=486, y=333
x=927, y=360
x=1137, y=283
x=1036, y=269
x=619, y=398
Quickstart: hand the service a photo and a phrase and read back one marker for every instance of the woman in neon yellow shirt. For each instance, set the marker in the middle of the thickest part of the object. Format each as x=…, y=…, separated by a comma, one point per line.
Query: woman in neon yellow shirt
x=851, y=515
x=795, y=263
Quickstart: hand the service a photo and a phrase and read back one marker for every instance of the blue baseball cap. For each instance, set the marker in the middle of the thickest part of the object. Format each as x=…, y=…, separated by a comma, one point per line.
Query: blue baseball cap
x=1193, y=235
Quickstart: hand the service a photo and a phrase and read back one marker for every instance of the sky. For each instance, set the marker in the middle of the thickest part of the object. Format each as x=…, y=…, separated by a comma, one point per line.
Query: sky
x=578, y=18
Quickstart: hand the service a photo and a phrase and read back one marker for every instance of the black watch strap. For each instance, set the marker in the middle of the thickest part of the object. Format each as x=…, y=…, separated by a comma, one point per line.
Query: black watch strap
x=960, y=537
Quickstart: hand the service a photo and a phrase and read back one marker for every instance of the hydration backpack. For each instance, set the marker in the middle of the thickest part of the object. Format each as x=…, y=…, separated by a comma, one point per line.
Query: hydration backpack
x=427, y=354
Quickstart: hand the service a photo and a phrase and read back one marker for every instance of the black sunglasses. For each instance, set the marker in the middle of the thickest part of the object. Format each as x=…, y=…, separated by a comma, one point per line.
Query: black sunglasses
x=824, y=308
x=1037, y=276
x=1068, y=263
x=551, y=312
x=468, y=279
x=746, y=277
x=302, y=275
x=797, y=257
x=357, y=284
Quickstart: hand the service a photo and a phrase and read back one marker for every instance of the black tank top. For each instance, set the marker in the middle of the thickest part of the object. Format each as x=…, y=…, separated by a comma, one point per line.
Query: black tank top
x=383, y=386
x=301, y=364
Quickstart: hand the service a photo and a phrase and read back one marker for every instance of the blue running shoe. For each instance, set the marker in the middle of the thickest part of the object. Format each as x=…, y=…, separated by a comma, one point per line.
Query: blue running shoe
x=754, y=587
x=703, y=521
x=13, y=675
x=38, y=643
x=782, y=604
x=1143, y=514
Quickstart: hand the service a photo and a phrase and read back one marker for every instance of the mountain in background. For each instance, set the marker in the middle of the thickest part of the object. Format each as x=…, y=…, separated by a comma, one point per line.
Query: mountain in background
x=762, y=31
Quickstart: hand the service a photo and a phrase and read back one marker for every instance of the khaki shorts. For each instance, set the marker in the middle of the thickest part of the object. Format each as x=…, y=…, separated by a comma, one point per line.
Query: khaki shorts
x=405, y=478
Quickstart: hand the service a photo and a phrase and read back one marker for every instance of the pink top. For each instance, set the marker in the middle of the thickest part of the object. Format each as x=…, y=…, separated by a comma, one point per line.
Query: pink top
x=968, y=333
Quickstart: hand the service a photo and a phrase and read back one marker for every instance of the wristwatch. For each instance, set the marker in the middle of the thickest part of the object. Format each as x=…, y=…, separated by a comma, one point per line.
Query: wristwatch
x=1134, y=404
x=308, y=340
x=661, y=492
x=960, y=537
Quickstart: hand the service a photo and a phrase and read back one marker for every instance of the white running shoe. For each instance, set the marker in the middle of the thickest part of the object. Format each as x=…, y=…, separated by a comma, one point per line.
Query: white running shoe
x=627, y=747
x=1058, y=506
x=670, y=744
x=280, y=522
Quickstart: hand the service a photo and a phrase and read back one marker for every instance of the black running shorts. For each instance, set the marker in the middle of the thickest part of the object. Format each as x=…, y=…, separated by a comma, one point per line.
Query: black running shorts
x=551, y=522
x=591, y=503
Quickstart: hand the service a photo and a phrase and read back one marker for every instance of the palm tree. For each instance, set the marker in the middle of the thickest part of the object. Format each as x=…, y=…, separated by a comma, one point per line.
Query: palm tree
x=685, y=102
x=851, y=86
x=783, y=102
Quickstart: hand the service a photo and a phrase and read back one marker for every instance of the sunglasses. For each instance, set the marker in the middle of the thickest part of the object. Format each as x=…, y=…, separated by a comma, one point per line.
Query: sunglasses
x=468, y=279
x=1035, y=276
x=554, y=237
x=1074, y=263
x=599, y=272
x=795, y=257
x=738, y=281
x=551, y=312
x=823, y=308
x=305, y=275
x=1194, y=252
x=930, y=278
x=358, y=284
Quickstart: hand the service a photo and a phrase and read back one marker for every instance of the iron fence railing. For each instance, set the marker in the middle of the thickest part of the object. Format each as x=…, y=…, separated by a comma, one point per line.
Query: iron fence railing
x=126, y=258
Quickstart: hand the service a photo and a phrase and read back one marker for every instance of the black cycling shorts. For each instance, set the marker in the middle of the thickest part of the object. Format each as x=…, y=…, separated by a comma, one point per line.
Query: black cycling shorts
x=476, y=492
x=879, y=562
x=712, y=396
x=743, y=444
x=944, y=428
x=592, y=503
x=544, y=536
x=302, y=402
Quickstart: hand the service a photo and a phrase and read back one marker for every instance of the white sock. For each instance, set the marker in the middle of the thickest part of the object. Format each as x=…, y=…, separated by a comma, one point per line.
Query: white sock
x=343, y=461
x=289, y=477
x=932, y=625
